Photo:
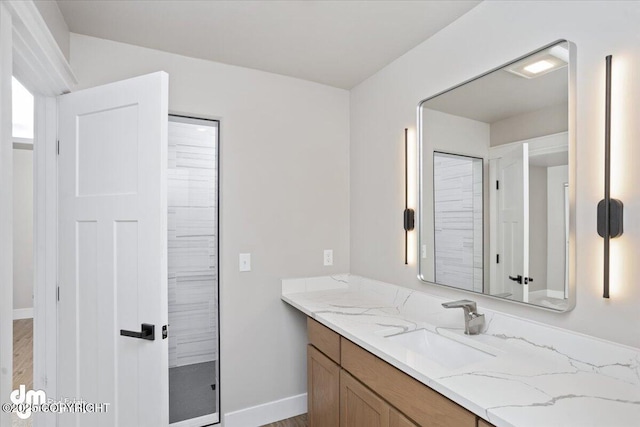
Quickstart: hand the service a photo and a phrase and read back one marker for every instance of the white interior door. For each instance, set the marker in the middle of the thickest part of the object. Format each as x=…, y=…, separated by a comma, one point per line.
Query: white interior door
x=513, y=222
x=113, y=251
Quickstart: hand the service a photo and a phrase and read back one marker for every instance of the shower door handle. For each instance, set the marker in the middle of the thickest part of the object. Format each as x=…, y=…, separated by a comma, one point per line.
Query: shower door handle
x=147, y=332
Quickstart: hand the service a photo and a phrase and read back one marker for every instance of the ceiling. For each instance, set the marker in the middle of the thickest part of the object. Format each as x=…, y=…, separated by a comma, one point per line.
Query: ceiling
x=501, y=95
x=338, y=43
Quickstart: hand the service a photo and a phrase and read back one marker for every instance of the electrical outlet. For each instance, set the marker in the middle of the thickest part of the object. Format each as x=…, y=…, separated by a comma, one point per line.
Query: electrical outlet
x=245, y=262
x=328, y=257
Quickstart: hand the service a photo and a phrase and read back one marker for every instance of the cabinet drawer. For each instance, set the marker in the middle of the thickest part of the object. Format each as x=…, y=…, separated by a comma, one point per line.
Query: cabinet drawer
x=409, y=396
x=324, y=339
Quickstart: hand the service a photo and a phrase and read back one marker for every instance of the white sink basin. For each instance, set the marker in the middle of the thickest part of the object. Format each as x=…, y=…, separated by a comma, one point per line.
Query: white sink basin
x=444, y=351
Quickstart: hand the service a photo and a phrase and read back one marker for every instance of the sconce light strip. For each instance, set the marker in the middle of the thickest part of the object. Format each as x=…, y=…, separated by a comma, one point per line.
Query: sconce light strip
x=610, y=211
x=406, y=168
x=406, y=196
x=409, y=214
x=607, y=174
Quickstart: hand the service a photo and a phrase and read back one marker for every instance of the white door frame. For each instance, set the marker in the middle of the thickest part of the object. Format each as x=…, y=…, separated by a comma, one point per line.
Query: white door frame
x=29, y=51
x=6, y=211
x=45, y=169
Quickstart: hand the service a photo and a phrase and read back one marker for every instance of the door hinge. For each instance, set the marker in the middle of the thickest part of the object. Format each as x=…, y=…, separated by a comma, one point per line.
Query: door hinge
x=497, y=258
x=58, y=293
x=497, y=185
x=165, y=332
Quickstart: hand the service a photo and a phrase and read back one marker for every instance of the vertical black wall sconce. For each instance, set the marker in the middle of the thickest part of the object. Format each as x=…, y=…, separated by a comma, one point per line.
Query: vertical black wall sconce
x=409, y=214
x=609, y=210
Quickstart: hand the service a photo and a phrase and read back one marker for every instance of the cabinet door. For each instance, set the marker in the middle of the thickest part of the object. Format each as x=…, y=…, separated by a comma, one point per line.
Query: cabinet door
x=323, y=386
x=396, y=419
x=483, y=423
x=359, y=406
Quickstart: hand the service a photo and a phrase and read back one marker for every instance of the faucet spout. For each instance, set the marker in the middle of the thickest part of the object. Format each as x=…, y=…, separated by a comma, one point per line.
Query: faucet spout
x=473, y=321
x=465, y=304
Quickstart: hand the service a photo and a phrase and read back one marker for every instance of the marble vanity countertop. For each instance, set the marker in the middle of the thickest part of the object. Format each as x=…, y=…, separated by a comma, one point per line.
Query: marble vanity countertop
x=529, y=374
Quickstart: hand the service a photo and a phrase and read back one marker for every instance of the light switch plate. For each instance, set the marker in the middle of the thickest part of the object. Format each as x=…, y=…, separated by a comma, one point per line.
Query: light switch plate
x=245, y=262
x=328, y=257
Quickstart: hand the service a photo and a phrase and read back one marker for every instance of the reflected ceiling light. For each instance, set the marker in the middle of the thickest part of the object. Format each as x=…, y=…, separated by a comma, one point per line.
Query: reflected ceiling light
x=541, y=63
x=538, y=67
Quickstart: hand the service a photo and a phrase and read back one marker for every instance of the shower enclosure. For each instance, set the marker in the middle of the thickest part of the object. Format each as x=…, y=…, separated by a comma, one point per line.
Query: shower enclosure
x=192, y=183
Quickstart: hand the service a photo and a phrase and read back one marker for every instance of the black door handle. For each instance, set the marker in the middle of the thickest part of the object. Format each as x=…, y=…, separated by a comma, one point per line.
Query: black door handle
x=517, y=279
x=148, y=332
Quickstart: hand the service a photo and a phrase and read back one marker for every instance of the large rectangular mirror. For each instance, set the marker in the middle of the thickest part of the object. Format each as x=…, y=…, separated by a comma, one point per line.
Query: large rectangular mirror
x=497, y=182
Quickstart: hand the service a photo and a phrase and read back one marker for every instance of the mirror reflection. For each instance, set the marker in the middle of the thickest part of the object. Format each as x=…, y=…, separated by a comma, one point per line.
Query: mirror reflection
x=494, y=182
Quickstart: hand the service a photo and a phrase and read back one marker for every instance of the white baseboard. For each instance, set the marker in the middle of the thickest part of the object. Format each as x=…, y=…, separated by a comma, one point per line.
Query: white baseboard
x=267, y=412
x=23, y=313
x=547, y=293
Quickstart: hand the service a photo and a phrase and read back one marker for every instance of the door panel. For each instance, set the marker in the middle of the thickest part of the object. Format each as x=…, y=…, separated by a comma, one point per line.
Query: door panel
x=113, y=250
x=396, y=419
x=359, y=406
x=513, y=222
x=323, y=376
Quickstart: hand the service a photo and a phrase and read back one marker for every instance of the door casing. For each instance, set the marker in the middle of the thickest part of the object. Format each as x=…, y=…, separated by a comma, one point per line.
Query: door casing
x=29, y=51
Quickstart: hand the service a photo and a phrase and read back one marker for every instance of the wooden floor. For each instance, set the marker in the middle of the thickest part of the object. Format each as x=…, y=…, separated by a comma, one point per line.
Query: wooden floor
x=299, y=421
x=23, y=353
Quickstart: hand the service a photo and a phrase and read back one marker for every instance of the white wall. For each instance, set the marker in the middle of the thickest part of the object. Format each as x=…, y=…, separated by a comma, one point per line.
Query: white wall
x=538, y=227
x=557, y=176
x=489, y=35
x=546, y=121
x=284, y=198
x=52, y=16
x=22, y=229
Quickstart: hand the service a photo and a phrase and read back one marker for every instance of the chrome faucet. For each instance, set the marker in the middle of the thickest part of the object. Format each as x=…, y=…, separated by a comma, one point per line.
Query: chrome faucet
x=473, y=321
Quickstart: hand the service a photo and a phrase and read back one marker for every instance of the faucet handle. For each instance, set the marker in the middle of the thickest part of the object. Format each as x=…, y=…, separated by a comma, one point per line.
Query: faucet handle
x=473, y=321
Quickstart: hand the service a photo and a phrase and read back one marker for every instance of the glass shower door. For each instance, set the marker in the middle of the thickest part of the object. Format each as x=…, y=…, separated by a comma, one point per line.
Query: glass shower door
x=193, y=272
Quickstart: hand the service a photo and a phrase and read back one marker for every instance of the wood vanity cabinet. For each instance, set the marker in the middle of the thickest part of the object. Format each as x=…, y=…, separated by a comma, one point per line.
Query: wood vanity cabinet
x=350, y=387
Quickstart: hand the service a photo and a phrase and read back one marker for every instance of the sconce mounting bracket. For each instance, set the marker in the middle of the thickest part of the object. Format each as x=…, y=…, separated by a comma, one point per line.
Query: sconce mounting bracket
x=616, y=209
x=409, y=219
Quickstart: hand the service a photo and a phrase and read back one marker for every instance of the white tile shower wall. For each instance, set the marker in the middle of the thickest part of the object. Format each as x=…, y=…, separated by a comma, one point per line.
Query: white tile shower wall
x=458, y=221
x=192, y=250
